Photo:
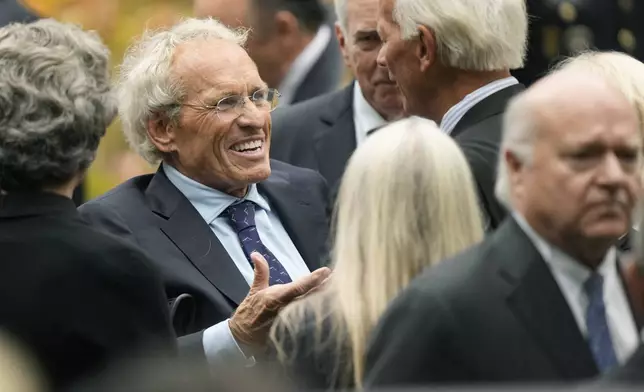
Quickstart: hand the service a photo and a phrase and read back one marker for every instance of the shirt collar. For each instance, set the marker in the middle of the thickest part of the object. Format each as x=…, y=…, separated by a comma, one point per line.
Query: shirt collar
x=365, y=117
x=303, y=64
x=456, y=112
x=209, y=202
x=569, y=269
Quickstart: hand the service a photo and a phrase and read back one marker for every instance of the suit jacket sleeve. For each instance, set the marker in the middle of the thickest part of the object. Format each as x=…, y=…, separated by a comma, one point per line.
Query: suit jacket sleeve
x=102, y=217
x=409, y=347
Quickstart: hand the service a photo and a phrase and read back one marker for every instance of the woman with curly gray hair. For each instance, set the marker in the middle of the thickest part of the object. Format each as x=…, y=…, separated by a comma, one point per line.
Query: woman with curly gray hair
x=77, y=298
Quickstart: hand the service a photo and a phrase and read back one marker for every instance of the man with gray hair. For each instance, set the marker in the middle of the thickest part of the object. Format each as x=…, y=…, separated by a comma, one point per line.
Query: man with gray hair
x=451, y=60
x=542, y=298
x=191, y=100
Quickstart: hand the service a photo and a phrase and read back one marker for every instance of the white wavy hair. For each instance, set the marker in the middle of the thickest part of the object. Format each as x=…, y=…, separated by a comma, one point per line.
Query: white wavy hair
x=475, y=35
x=146, y=85
x=341, y=14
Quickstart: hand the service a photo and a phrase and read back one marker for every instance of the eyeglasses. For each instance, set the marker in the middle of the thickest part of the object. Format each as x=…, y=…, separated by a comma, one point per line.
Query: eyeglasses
x=264, y=100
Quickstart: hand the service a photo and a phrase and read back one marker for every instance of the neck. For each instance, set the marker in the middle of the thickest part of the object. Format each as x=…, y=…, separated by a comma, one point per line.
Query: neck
x=454, y=86
x=229, y=189
x=587, y=251
x=66, y=190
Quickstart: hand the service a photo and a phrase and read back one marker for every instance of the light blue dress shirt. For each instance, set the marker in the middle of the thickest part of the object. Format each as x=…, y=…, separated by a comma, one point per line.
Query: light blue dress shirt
x=210, y=204
x=456, y=113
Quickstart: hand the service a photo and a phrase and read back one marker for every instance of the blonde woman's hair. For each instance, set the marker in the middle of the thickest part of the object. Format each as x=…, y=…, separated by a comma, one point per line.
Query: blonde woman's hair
x=407, y=200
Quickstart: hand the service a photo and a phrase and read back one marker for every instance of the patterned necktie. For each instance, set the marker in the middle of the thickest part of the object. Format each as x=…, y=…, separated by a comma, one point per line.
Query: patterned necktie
x=242, y=219
x=601, y=343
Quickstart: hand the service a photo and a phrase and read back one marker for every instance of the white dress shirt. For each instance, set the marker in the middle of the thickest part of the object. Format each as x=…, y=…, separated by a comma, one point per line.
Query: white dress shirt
x=303, y=64
x=210, y=204
x=365, y=117
x=571, y=275
x=456, y=112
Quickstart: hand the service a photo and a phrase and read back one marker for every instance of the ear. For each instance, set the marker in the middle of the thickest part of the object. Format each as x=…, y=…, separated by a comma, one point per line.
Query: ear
x=161, y=133
x=286, y=23
x=426, y=49
x=342, y=40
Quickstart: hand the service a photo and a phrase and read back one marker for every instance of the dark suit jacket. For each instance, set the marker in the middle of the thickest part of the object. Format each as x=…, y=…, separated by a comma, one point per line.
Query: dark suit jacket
x=491, y=314
x=11, y=11
x=78, y=298
x=318, y=134
x=151, y=212
x=325, y=75
x=632, y=372
x=479, y=136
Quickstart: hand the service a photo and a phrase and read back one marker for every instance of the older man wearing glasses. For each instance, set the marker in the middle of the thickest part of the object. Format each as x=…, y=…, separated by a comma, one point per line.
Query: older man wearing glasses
x=191, y=100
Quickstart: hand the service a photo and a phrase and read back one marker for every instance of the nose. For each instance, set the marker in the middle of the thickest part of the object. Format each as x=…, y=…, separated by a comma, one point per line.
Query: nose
x=251, y=117
x=613, y=174
x=381, y=59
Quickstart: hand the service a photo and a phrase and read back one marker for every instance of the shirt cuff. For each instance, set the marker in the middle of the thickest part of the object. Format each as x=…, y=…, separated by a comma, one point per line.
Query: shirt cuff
x=220, y=345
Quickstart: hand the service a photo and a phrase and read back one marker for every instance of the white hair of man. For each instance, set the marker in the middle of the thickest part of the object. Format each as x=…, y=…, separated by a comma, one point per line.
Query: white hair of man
x=341, y=14
x=519, y=131
x=472, y=35
x=147, y=87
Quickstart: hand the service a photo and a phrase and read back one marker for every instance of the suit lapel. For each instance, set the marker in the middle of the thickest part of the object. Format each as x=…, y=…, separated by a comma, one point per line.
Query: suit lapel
x=189, y=232
x=293, y=207
x=535, y=298
x=335, y=140
x=491, y=106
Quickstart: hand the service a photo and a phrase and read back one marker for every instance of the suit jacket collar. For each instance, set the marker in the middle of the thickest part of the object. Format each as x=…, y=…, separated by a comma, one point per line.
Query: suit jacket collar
x=184, y=226
x=335, y=140
x=493, y=105
x=535, y=298
x=21, y=204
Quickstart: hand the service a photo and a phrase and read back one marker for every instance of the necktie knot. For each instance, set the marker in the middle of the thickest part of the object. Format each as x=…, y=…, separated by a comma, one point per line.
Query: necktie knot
x=241, y=215
x=594, y=286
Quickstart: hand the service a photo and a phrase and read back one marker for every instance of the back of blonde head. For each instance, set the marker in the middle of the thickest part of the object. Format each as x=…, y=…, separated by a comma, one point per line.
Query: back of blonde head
x=407, y=201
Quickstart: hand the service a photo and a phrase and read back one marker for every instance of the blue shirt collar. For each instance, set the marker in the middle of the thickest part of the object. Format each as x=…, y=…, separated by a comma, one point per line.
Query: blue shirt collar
x=209, y=202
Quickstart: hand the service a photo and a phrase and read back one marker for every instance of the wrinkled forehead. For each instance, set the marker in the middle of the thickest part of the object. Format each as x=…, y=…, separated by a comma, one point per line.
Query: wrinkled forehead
x=214, y=65
x=593, y=121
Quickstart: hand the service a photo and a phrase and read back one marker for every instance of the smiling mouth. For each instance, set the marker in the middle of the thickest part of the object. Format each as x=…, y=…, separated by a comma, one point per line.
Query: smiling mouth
x=248, y=147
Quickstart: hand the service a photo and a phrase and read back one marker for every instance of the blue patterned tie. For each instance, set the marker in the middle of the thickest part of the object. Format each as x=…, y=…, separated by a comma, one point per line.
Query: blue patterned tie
x=601, y=343
x=242, y=219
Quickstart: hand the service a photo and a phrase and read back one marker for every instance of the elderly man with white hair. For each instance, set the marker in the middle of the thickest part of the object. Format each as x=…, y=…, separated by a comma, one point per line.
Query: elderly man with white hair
x=451, y=60
x=542, y=298
x=192, y=101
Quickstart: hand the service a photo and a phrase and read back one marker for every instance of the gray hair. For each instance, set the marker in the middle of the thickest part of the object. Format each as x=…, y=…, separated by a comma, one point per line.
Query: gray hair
x=55, y=103
x=146, y=86
x=476, y=35
x=519, y=131
x=341, y=14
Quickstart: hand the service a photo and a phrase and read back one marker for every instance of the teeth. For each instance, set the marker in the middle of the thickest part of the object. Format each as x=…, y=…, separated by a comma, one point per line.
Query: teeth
x=247, y=146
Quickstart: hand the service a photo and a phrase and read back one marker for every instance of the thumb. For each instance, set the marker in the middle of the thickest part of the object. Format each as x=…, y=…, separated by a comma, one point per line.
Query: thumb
x=262, y=273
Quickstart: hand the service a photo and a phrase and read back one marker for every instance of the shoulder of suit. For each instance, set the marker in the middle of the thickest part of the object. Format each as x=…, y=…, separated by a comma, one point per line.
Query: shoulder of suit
x=305, y=110
x=296, y=172
x=122, y=197
x=451, y=276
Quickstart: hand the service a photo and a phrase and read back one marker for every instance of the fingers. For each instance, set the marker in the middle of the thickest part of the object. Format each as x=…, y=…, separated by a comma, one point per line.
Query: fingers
x=303, y=285
x=262, y=273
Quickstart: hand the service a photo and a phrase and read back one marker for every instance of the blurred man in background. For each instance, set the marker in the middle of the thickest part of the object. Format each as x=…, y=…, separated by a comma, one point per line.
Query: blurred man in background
x=322, y=133
x=290, y=41
x=12, y=11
